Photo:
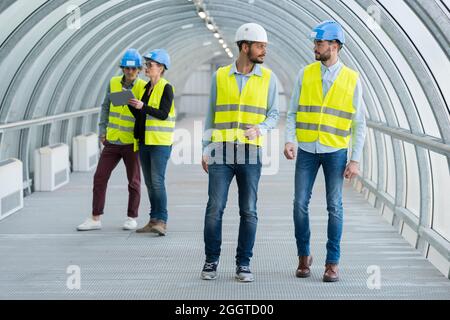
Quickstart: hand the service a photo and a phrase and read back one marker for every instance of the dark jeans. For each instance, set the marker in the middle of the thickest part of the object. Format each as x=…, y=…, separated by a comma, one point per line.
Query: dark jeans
x=220, y=177
x=154, y=162
x=305, y=174
x=109, y=159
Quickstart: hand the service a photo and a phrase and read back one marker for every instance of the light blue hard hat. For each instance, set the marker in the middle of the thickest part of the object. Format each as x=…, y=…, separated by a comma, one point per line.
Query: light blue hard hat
x=132, y=59
x=328, y=30
x=159, y=55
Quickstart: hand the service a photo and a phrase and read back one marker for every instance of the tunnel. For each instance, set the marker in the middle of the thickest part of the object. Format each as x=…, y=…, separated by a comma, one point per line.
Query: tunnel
x=57, y=58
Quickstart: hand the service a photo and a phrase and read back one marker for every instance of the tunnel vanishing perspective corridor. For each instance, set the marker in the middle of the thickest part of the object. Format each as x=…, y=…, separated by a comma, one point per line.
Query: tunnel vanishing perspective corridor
x=57, y=58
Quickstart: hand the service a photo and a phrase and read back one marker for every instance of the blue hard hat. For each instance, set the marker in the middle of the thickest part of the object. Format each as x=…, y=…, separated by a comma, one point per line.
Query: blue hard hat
x=328, y=30
x=159, y=55
x=131, y=58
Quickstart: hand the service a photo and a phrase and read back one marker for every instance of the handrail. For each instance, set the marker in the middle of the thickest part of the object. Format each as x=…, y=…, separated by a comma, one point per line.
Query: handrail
x=441, y=244
x=425, y=141
x=45, y=120
x=428, y=142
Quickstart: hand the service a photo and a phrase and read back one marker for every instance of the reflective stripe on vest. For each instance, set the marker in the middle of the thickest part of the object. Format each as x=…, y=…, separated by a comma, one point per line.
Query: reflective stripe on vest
x=236, y=110
x=328, y=118
x=159, y=132
x=121, y=120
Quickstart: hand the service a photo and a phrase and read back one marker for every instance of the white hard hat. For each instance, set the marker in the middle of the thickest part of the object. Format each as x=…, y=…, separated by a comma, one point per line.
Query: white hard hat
x=251, y=32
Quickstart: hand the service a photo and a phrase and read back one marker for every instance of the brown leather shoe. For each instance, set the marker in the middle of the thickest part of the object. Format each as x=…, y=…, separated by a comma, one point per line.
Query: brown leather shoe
x=159, y=227
x=331, y=273
x=304, y=262
x=148, y=227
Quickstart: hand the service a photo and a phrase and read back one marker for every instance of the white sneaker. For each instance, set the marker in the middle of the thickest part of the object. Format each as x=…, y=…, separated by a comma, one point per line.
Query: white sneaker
x=130, y=224
x=90, y=224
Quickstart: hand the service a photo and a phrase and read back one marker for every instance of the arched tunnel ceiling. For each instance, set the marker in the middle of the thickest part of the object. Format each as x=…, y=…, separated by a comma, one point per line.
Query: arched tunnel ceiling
x=49, y=68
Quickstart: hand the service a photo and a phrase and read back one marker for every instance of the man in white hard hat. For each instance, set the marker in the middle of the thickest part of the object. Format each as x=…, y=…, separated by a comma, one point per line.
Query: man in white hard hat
x=243, y=107
x=325, y=114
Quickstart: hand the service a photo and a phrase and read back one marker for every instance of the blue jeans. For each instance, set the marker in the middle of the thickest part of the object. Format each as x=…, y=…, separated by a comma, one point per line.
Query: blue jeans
x=305, y=174
x=154, y=162
x=220, y=177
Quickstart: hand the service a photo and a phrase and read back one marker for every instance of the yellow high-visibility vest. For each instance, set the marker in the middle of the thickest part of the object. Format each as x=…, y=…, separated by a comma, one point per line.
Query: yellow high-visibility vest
x=235, y=110
x=121, y=121
x=159, y=132
x=328, y=118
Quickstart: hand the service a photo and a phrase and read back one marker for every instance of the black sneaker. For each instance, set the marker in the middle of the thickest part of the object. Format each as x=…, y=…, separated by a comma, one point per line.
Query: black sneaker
x=244, y=274
x=209, y=271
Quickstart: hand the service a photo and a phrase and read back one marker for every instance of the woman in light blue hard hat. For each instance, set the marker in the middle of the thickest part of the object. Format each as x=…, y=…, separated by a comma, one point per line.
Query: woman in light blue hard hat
x=154, y=129
x=116, y=133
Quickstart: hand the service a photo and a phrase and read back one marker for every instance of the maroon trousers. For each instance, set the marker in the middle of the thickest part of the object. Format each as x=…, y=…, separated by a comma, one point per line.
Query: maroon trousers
x=109, y=159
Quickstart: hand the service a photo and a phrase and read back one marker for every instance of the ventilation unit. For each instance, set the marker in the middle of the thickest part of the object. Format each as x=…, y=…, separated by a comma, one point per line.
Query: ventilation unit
x=11, y=187
x=51, y=167
x=85, y=152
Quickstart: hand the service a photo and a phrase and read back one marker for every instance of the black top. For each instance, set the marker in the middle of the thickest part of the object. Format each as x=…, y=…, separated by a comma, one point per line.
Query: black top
x=162, y=113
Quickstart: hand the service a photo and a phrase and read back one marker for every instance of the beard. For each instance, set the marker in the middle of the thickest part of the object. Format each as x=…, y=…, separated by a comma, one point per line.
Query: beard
x=255, y=59
x=323, y=56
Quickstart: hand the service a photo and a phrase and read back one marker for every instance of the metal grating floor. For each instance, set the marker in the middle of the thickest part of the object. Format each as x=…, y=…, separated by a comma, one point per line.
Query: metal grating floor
x=40, y=242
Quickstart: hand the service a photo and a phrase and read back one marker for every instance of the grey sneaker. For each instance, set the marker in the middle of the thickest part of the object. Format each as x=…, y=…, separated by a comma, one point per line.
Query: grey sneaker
x=244, y=274
x=209, y=271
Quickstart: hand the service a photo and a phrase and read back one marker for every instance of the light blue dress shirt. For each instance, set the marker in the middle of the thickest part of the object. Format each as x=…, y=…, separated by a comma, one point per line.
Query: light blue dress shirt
x=272, y=114
x=329, y=74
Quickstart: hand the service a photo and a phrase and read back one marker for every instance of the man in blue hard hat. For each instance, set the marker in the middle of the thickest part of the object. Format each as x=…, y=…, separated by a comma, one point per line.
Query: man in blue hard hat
x=325, y=113
x=116, y=133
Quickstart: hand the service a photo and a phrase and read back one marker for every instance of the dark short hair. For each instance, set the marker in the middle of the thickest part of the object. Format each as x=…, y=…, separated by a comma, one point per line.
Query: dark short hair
x=240, y=43
x=338, y=42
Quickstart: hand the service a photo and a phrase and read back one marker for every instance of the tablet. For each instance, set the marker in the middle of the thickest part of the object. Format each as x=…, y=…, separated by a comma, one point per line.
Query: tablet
x=121, y=98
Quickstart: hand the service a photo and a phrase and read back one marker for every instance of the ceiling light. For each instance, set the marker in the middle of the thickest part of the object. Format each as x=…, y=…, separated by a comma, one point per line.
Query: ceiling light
x=201, y=13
